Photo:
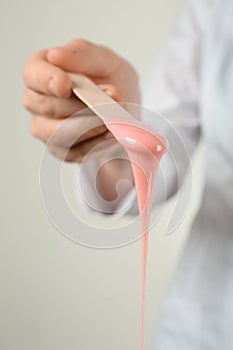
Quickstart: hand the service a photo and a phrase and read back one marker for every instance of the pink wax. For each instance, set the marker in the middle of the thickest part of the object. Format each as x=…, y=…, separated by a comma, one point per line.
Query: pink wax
x=145, y=150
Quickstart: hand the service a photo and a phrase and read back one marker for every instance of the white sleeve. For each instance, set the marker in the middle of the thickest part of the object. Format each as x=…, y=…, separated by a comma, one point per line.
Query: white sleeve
x=172, y=89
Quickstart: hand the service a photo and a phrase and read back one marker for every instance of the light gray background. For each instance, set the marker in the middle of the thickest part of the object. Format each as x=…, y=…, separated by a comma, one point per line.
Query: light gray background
x=55, y=294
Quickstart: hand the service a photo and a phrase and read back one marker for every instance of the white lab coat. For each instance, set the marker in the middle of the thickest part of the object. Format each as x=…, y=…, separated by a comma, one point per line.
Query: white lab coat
x=191, y=84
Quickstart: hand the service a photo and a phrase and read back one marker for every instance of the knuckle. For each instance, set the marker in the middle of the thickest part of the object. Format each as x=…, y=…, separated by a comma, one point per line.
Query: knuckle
x=54, y=139
x=38, y=129
x=46, y=107
x=34, y=129
x=25, y=101
x=82, y=44
x=61, y=153
x=26, y=68
x=25, y=73
x=55, y=151
x=43, y=104
x=58, y=138
x=82, y=41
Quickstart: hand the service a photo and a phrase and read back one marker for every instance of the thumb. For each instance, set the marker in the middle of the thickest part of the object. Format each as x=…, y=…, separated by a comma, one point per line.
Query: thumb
x=81, y=56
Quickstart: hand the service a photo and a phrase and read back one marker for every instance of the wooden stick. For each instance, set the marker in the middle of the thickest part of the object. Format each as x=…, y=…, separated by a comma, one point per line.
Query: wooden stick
x=97, y=100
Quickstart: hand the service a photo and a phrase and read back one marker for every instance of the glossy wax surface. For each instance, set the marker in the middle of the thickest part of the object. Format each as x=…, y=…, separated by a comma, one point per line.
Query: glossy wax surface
x=145, y=150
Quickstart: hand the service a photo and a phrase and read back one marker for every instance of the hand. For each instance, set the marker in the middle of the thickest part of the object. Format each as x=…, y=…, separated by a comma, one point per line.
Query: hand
x=50, y=100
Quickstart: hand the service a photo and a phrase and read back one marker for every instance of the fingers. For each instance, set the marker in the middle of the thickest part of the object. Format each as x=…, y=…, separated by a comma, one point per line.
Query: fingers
x=43, y=77
x=71, y=140
x=50, y=100
x=41, y=104
x=65, y=132
x=87, y=150
x=84, y=57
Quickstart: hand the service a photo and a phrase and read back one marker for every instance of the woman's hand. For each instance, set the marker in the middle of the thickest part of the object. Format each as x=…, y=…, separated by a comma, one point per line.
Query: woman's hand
x=50, y=100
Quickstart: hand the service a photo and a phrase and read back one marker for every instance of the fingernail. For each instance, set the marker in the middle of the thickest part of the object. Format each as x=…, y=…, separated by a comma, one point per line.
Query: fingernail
x=53, y=88
x=108, y=92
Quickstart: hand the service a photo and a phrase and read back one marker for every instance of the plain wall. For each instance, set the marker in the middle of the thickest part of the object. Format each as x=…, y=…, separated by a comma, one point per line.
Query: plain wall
x=55, y=294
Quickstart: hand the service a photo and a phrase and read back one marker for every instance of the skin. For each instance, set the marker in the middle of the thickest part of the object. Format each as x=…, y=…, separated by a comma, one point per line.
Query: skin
x=49, y=99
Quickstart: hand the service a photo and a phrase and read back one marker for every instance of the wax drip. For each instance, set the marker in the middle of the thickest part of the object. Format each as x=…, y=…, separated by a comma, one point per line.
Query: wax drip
x=145, y=150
